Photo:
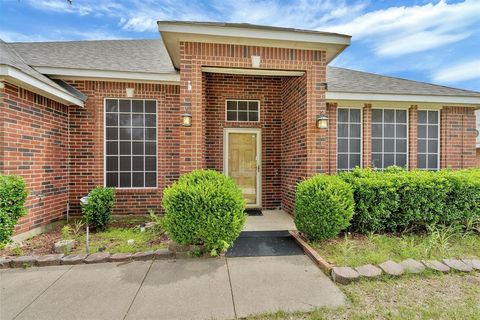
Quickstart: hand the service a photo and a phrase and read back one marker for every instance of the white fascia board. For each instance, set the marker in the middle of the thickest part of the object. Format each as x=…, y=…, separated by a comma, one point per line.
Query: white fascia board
x=168, y=78
x=366, y=97
x=20, y=78
x=259, y=72
x=255, y=33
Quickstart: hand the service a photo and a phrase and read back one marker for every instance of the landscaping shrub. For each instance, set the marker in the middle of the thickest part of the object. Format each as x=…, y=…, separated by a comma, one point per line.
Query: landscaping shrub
x=399, y=200
x=204, y=207
x=13, y=194
x=323, y=207
x=97, y=211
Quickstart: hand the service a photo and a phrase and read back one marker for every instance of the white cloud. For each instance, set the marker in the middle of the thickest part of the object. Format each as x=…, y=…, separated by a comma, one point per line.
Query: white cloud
x=11, y=36
x=464, y=71
x=401, y=30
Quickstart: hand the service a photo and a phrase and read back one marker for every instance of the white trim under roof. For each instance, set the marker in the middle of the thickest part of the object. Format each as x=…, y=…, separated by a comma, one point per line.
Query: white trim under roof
x=259, y=72
x=18, y=77
x=332, y=96
x=70, y=73
x=174, y=32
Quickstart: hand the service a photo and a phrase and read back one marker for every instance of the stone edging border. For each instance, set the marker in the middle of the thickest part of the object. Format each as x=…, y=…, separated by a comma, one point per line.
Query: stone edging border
x=98, y=257
x=345, y=275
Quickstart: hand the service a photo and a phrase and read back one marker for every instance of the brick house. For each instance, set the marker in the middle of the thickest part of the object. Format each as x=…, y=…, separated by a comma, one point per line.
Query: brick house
x=258, y=103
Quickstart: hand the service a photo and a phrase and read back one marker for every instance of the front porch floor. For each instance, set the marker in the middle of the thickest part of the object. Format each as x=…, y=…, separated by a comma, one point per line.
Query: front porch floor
x=271, y=220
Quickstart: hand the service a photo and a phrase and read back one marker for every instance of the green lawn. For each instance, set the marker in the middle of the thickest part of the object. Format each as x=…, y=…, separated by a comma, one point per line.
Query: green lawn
x=115, y=238
x=359, y=250
x=451, y=296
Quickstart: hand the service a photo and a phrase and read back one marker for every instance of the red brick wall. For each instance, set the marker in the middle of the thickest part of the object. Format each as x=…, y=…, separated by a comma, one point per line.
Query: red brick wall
x=478, y=157
x=457, y=137
x=195, y=55
x=268, y=90
x=34, y=145
x=87, y=142
x=294, y=138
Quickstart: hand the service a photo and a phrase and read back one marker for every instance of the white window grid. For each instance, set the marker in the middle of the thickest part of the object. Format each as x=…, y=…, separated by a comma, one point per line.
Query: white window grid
x=131, y=155
x=395, y=138
x=349, y=138
x=248, y=110
x=427, y=140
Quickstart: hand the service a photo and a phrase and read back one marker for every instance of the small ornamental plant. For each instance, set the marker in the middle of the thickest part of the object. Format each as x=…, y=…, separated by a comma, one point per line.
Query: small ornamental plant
x=323, y=207
x=204, y=207
x=97, y=209
x=13, y=195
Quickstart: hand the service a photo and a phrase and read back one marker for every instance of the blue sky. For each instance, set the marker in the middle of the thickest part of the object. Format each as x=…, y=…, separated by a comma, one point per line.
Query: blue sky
x=432, y=41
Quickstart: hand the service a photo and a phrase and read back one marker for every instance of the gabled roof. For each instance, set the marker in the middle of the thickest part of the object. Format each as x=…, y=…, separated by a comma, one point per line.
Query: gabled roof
x=13, y=67
x=347, y=80
x=174, y=32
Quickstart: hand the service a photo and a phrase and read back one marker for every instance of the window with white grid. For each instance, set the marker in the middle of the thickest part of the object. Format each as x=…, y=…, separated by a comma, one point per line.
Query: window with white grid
x=349, y=138
x=389, y=138
x=130, y=143
x=243, y=110
x=428, y=139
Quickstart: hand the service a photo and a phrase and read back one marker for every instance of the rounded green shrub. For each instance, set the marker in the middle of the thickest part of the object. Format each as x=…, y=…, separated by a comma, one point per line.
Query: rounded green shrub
x=204, y=207
x=13, y=194
x=323, y=207
x=97, y=210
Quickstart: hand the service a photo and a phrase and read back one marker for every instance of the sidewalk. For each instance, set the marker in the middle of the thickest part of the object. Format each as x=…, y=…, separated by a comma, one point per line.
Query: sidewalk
x=216, y=288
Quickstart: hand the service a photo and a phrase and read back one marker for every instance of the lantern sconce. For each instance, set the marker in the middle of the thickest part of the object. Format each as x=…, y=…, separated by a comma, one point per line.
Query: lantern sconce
x=255, y=61
x=186, y=119
x=189, y=85
x=129, y=92
x=322, y=122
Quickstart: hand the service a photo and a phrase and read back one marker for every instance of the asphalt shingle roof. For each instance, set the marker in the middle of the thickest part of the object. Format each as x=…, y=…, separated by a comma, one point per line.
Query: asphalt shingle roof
x=347, y=80
x=112, y=55
x=150, y=56
x=9, y=57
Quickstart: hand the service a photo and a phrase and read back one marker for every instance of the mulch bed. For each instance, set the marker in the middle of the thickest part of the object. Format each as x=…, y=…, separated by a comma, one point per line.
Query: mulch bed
x=43, y=243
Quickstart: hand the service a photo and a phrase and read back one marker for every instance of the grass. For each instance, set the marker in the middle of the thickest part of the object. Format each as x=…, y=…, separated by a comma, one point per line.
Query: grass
x=451, y=296
x=358, y=250
x=115, y=238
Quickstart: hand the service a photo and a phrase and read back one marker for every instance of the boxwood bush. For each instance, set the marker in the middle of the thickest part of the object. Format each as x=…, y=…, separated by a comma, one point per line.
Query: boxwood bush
x=204, y=207
x=13, y=194
x=323, y=207
x=399, y=200
x=97, y=211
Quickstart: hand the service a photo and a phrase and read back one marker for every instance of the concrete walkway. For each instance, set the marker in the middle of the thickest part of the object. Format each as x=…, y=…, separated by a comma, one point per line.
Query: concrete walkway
x=270, y=220
x=176, y=289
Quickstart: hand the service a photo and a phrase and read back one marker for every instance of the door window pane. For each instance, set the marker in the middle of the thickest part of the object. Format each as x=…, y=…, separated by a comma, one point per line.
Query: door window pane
x=130, y=143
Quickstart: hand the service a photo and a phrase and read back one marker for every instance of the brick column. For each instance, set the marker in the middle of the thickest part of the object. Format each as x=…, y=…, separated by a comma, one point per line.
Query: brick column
x=332, y=137
x=191, y=97
x=412, y=137
x=317, y=139
x=367, y=136
x=457, y=137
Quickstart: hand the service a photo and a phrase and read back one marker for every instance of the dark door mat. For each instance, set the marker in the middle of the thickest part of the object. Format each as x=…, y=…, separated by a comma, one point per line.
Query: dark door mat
x=264, y=243
x=254, y=212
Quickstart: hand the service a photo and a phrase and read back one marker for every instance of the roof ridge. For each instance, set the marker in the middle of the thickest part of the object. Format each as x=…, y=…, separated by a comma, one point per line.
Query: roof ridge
x=409, y=80
x=85, y=41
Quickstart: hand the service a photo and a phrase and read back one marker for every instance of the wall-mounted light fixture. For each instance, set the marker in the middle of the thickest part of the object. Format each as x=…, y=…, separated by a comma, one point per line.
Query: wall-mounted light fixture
x=189, y=85
x=322, y=121
x=255, y=61
x=129, y=92
x=186, y=119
